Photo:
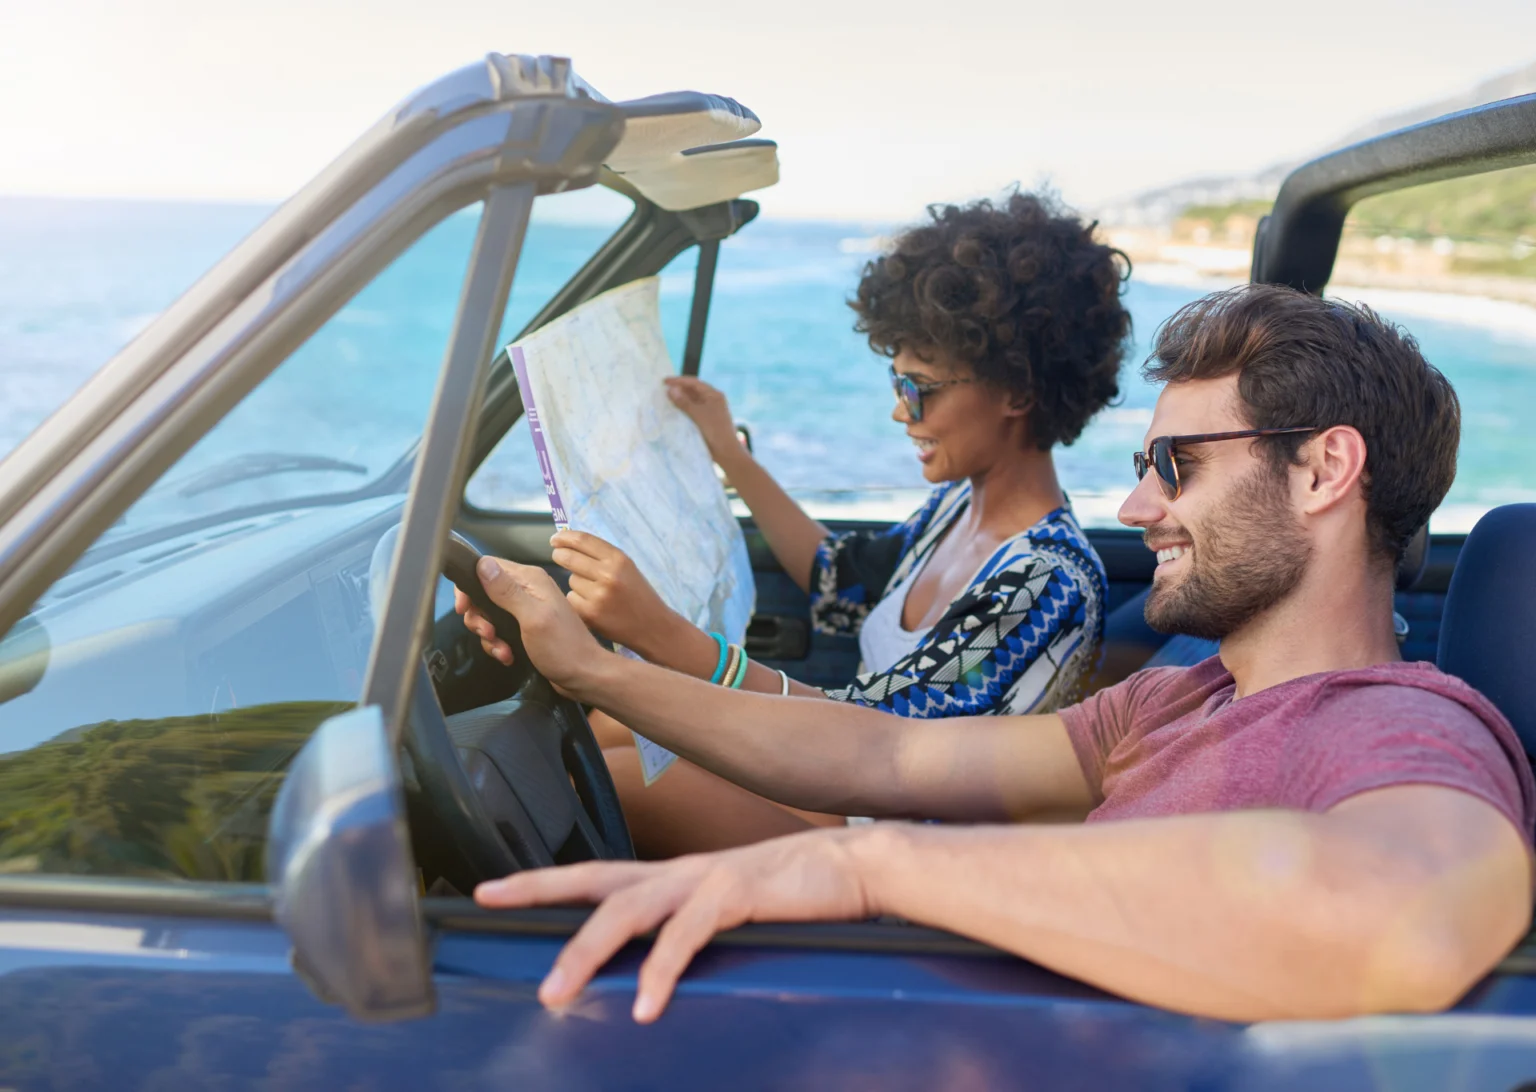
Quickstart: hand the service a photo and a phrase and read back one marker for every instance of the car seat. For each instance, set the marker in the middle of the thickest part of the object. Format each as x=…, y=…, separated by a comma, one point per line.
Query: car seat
x=1130, y=644
x=1488, y=629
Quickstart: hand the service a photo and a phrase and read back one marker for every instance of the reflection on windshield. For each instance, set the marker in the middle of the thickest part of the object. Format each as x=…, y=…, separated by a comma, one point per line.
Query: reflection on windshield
x=339, y=412
x=175, y=797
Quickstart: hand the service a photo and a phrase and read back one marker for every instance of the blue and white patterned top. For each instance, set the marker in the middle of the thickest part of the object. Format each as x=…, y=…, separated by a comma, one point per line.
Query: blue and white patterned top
x=1020, y=638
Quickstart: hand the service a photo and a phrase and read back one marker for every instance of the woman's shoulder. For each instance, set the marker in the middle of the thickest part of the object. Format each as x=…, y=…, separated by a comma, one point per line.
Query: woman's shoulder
x=946, y=501
x=1055, y=541
x=924, y=526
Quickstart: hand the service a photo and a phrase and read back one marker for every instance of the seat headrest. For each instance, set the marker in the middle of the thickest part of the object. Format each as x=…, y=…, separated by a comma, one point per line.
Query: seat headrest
x=1411, y=566
x=1488, y=630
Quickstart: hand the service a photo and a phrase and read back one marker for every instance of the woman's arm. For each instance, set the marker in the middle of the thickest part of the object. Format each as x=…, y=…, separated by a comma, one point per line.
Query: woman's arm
x=818, y=755
x=614, y=599
x=791, y=534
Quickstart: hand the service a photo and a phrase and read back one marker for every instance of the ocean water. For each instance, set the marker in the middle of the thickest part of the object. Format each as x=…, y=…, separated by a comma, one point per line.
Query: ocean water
x=78, y=279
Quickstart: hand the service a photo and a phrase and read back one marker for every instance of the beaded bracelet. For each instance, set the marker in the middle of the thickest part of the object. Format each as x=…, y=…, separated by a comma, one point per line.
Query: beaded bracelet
x=719, y=671
x=732, y=661
x=741, y=669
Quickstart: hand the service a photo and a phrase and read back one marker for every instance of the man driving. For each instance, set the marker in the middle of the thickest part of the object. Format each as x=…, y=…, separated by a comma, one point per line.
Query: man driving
x=1303, y=826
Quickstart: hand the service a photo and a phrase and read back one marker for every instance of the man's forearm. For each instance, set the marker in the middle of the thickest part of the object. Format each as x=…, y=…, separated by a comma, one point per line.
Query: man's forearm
x=837, y=757
x=1242, y=916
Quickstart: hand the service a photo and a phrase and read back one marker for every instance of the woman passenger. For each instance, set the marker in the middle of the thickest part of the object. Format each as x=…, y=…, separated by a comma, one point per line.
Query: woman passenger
x=1006, y=331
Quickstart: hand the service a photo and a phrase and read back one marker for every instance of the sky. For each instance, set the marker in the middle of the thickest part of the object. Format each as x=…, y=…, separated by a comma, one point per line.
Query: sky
x=879, y=107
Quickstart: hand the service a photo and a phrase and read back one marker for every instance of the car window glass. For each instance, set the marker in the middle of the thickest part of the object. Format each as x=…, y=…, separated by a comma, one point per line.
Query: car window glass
x=344, y=409
x=1455, y=263
x=509, y=480
x=151, y=701
x=565, y=231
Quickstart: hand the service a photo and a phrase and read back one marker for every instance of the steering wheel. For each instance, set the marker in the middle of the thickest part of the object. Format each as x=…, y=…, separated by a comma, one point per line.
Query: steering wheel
x=518, y=784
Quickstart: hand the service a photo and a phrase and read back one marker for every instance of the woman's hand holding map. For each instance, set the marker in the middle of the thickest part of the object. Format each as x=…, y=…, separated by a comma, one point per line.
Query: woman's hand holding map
x=707, y=408
x=611, y=596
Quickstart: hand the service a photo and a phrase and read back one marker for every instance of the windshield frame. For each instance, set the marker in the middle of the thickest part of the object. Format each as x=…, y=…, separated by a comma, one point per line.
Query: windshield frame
x=442, y=151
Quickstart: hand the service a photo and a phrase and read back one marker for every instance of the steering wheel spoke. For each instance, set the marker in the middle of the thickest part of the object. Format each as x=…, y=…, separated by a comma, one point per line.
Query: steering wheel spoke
x=520, y=783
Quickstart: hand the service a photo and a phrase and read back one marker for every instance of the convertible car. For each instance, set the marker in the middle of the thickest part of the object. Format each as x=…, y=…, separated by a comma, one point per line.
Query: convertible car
x=250, y=763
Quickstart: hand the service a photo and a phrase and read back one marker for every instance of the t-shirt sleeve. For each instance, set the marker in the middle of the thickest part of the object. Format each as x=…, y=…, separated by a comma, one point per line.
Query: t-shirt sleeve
x=1097, y=724
x=1376, y=737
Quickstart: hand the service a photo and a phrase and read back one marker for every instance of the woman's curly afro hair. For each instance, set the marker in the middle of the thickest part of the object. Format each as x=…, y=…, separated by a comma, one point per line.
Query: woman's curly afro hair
x=1021, y=292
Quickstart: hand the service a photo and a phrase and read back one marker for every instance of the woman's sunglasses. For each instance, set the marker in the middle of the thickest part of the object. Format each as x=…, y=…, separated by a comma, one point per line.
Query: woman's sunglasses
x=911, y=392
x=1160, y=454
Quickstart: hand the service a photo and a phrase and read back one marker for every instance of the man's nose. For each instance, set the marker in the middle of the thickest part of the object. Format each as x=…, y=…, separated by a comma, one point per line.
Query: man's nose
x=899, y=413
x=1146, y=505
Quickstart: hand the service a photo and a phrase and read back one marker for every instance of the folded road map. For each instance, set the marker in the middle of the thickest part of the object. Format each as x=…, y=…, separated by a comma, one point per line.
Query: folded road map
x=620, y=461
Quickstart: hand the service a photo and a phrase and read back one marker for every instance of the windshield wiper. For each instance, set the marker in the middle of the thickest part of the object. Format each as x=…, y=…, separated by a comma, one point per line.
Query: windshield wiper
x=260, y=465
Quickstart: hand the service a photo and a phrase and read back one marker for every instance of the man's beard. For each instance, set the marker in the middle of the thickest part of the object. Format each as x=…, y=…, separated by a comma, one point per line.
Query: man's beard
x=1251, y=562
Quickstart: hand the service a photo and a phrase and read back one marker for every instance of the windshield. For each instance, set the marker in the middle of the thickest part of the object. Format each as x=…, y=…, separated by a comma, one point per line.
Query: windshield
x=342, y=409
x=347, y=406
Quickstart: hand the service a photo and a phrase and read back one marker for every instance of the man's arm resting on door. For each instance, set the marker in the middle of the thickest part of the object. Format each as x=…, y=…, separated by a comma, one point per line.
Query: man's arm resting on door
x=1396, y=900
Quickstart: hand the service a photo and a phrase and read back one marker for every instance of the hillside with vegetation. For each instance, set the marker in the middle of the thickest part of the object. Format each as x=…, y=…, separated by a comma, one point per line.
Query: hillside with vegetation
x=1474, y=236
x=1485, y=224
x=182, y=797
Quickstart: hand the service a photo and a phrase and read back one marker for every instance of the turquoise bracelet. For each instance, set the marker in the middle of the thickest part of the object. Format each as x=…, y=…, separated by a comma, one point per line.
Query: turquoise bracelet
x=720, y=664
x=741, y=670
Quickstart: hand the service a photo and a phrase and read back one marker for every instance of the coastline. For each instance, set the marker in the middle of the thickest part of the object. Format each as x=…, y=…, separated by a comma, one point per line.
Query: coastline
x=1503, y=305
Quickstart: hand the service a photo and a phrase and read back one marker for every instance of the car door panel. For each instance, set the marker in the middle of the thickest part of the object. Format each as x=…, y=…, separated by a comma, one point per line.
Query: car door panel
x=146, y=1000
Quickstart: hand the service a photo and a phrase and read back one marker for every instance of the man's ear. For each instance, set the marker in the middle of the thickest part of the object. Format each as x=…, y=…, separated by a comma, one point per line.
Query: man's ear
x=1335, y=465
x=1017, y=405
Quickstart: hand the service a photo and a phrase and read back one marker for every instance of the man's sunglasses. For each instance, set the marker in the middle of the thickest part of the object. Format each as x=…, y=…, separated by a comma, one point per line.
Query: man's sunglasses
x=1160, y=454
x=911, y=392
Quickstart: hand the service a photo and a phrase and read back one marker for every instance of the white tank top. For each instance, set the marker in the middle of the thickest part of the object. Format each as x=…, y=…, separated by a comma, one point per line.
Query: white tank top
x=882, y=640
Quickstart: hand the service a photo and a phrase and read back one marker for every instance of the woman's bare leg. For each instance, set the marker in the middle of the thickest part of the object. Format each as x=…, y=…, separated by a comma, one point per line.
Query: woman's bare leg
x=609, y=732
x=690, y=810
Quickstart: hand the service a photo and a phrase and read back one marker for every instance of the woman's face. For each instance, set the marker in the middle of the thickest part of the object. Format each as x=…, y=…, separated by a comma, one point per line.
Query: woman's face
x=967, y=426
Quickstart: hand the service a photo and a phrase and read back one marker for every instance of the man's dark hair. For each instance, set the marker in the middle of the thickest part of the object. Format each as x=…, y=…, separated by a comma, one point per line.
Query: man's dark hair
x=1022, y=293
x=1302, y=360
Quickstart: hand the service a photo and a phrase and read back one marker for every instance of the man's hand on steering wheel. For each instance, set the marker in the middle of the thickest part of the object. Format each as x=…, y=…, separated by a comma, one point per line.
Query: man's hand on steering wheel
x=557, y=641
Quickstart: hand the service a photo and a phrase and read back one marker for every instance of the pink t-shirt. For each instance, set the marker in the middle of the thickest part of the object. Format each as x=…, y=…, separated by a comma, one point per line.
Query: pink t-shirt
x=1172, y=741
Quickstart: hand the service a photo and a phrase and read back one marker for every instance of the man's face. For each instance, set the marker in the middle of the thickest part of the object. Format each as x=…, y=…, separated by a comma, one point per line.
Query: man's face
x=1230, y=547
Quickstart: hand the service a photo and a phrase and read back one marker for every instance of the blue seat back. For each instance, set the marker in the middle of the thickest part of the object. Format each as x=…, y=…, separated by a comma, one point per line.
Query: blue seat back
x=1488, y=630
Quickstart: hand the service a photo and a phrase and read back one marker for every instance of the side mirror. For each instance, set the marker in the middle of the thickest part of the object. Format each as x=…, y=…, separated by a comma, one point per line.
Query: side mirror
x=23, y=658
x=339, y=862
